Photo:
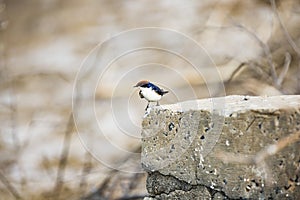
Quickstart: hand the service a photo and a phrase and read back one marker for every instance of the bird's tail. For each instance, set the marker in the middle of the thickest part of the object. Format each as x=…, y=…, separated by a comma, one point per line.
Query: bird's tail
x=164, y=92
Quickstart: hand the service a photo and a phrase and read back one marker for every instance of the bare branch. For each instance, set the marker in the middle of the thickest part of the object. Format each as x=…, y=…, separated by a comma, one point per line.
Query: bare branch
x=9, y=186
x=260, y=157
x=285, y=31
x=266, y=51
x=239, y=68
x=64, y=157
x=285, y=69
x=86, y=169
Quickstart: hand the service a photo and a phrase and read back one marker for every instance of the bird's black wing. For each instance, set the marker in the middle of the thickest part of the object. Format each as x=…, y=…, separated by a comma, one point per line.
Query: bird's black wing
x=157, y=89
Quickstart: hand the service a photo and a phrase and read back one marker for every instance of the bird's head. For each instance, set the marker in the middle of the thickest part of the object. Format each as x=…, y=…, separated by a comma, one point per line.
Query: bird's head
x=141, y=83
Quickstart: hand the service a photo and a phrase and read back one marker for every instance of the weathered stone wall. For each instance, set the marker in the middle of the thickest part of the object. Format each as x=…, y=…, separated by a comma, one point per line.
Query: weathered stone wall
x=182, y=144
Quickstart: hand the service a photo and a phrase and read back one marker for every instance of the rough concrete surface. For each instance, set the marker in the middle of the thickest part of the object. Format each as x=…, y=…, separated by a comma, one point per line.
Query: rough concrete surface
x=181, y=142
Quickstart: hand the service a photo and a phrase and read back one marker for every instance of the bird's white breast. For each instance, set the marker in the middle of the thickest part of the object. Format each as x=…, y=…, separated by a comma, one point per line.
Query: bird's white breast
x=150, y=94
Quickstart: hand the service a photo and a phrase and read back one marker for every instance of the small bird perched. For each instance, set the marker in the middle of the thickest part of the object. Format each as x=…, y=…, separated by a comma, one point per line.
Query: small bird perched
x=150, y=92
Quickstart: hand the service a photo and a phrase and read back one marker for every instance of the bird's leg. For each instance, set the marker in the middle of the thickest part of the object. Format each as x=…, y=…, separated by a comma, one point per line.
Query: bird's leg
x=147, y=106
x=157, y=103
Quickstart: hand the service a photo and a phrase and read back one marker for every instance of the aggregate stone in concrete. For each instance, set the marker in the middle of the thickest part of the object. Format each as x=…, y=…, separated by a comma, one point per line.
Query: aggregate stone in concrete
x=182, y=141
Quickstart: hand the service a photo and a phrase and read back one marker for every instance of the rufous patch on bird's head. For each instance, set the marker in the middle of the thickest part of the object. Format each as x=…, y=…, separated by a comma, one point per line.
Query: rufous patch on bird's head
x=141, y=83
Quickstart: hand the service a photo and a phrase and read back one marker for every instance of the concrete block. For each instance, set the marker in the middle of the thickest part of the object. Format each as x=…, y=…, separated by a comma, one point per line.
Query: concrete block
x=180, y=144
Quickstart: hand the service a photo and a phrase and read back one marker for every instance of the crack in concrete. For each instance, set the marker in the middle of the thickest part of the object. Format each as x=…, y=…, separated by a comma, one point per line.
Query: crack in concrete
x=185, y=188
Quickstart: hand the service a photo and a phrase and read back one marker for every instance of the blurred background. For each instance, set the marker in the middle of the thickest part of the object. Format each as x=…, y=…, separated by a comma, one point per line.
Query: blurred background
x=50, y=59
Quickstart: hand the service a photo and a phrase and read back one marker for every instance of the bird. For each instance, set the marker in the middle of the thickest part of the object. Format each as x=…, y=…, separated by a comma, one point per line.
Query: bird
x=150, y=92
